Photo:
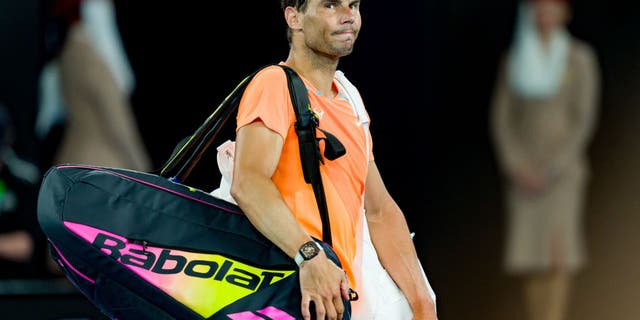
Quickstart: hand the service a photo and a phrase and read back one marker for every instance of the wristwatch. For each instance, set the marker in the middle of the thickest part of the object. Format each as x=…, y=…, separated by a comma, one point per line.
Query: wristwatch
x=307, y=251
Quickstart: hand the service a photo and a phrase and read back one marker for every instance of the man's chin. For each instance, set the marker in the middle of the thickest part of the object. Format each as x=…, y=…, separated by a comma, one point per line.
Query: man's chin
x=345, y=51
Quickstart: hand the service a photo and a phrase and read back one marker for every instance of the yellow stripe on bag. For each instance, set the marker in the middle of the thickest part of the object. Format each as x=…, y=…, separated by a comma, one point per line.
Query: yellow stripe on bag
x=216, y=281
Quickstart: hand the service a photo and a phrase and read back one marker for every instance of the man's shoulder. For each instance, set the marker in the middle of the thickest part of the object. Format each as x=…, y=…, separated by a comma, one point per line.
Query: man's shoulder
x=271, y=77
x=271, y=72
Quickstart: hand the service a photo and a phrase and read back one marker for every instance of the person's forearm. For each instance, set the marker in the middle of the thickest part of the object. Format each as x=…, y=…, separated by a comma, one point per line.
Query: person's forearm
x=263, y=205
x=321, y=281
x=391, y=238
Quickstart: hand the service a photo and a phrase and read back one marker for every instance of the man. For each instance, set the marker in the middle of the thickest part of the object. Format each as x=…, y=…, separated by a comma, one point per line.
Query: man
x=267, y=178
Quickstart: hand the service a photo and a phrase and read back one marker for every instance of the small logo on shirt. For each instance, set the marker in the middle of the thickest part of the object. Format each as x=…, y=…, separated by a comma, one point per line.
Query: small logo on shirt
x=319, y=114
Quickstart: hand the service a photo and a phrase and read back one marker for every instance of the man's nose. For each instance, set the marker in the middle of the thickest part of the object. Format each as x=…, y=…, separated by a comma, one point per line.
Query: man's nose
x=348, y=14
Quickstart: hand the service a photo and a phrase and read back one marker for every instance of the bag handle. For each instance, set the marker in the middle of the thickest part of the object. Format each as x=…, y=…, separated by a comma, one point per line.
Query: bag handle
x=190, y=150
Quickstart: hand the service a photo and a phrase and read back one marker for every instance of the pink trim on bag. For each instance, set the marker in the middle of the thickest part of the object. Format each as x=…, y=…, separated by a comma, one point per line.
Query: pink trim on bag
x=149, y=184
x=67, y=263
x=276, y=314
x=270, y=312
x=247, y=315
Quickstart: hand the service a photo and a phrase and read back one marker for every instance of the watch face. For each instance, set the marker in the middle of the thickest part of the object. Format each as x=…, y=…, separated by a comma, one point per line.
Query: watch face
x=309, y=250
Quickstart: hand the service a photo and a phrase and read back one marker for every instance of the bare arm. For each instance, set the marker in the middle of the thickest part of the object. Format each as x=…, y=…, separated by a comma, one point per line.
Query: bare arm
x=257, y=154
x=391, y=238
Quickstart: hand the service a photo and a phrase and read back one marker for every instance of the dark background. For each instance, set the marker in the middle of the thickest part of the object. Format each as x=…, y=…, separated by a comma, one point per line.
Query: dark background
x=426, y=71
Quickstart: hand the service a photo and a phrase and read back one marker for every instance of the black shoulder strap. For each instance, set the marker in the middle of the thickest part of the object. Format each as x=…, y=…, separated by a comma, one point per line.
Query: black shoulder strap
x=305, y=126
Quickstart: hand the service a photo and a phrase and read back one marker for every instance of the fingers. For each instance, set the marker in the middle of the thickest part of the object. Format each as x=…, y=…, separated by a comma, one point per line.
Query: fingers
x=344, y=288
x=339, y=307
x=305, y=308
x=323, y=285
x=331, y=309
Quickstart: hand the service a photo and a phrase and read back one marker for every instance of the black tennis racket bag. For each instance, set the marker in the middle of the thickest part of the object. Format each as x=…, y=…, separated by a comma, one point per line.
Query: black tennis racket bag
x=146, y=246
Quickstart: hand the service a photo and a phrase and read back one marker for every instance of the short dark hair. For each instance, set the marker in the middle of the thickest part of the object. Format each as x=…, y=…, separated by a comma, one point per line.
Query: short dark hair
x=298, y=4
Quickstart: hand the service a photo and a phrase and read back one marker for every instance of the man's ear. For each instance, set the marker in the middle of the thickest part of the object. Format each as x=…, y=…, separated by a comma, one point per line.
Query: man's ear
x=292, y=16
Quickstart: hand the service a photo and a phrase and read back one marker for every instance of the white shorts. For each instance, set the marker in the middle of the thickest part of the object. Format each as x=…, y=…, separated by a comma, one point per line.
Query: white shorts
x=379, y=296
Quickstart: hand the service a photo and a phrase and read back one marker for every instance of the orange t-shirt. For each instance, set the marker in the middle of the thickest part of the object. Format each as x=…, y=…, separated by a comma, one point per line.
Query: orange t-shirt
x=267, y=99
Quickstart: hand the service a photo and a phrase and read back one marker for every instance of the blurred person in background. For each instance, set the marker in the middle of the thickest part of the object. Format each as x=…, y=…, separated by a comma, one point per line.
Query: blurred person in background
x=543, y=117
x=85, y=87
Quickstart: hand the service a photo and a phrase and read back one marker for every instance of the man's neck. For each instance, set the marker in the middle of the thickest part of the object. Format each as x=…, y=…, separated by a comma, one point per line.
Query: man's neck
x=318, y=70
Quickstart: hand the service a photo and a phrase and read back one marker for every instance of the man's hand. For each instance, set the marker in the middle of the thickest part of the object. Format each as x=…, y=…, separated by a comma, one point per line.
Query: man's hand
x=323, y=284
